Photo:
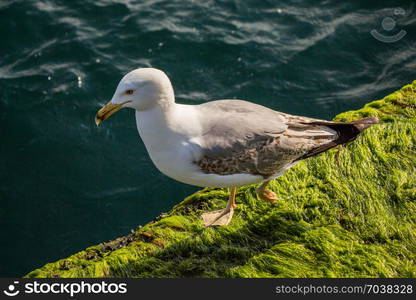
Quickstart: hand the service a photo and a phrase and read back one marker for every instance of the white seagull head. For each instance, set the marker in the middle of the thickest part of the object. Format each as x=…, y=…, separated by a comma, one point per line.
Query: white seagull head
x=140, y=89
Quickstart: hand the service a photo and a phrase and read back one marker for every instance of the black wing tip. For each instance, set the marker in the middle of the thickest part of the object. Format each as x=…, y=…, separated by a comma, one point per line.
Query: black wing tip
x=347, y=132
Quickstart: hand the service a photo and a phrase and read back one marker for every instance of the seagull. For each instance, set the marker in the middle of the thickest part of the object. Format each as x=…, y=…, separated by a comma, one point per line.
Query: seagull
x=222, y=143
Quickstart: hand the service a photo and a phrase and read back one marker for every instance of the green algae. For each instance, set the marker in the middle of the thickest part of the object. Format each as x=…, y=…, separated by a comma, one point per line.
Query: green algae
x=349, y=213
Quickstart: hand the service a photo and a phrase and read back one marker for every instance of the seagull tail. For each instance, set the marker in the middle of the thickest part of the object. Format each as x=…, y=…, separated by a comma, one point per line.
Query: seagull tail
x=347, y=132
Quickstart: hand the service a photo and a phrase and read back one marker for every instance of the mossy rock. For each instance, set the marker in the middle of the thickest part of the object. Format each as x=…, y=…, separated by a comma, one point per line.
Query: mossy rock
x=349, y=213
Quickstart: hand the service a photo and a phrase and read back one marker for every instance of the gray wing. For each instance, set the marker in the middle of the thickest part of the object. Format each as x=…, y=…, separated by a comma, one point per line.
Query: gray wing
x=243, y=137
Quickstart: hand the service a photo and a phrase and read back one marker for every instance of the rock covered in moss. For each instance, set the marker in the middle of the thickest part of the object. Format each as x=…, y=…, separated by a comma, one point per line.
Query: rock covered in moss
x=342, y=214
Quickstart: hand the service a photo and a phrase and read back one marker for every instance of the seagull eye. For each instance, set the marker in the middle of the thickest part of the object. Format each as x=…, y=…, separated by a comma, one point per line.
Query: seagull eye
x=129, y=92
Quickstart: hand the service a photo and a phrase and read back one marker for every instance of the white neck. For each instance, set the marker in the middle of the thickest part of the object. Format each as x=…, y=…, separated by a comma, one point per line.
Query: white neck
x=167, y=125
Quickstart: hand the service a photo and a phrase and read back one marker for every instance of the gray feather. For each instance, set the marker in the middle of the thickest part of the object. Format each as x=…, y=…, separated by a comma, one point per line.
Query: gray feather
x=243, y=137
x=233, y=125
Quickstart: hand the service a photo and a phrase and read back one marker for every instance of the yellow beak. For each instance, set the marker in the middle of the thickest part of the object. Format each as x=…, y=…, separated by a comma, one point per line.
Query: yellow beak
x=107, y=111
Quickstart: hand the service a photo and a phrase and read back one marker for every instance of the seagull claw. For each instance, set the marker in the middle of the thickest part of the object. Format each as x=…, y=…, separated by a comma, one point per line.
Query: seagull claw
x=220, y=217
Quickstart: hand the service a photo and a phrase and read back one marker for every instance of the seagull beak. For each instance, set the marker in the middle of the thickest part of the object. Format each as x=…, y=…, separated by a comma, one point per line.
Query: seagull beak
x=107, y=111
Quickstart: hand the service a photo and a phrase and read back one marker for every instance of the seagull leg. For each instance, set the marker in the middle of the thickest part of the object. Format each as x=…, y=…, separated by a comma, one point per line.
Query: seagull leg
x=266, y=194
x=223, y=216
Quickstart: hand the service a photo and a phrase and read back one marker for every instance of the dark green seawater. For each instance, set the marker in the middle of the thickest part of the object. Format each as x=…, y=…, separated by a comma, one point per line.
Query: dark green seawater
x=66, y=184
